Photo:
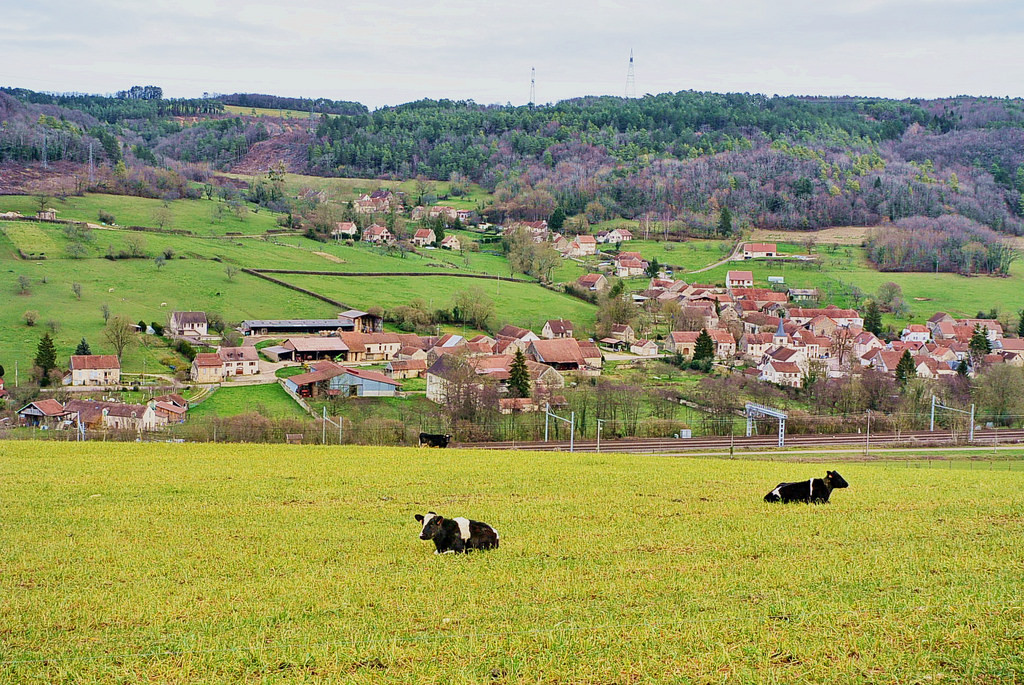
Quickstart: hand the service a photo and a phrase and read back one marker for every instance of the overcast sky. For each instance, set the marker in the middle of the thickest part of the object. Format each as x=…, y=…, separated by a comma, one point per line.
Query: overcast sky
x=389, y=52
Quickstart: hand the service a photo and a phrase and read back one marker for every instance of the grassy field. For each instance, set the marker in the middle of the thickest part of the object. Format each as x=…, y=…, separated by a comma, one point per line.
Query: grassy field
x=232, y=563
x=202, y=217
x=689, y=255
x=524, y=304
x=925, y=293
x=268, y=400
x=267, y=112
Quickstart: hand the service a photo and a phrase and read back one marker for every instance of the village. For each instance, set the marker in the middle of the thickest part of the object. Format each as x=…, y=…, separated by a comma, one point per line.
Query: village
x=766, y=331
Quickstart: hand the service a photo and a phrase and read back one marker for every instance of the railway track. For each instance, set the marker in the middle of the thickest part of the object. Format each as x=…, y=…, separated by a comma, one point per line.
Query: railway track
x=824, y=442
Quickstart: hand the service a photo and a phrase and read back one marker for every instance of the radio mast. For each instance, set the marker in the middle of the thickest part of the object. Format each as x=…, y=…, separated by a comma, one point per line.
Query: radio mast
x=630, y=78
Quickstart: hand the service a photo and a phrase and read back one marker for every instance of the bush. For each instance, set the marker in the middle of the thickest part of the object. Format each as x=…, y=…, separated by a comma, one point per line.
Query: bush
x=106, y=217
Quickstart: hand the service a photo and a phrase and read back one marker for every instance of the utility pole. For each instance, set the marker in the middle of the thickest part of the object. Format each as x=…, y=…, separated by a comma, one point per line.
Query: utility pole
x=599, y=423
x=867, y=443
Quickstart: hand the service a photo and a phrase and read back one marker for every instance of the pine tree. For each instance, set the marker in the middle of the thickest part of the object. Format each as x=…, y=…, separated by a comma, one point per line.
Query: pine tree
x=704, y=347
x=83, y=348
x=519, y=376
x=873, y=318
x=905, y=369
x=725, y=222
x=557, y=219
x=962, y=368
x=1020, y=321
x=980, y=345
x=46, y=354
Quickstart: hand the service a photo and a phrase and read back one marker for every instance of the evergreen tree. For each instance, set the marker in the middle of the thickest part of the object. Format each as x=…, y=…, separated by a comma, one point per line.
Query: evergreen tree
x=83, y=348
x=980, y=345
x=519, y=376
x=905, y=369
x=962, y=368
x=873, y=318
x=725, y=222
x=557, y=219
x=653, y=268
x=705, y=347
x=1020, y=321
x=46, y=354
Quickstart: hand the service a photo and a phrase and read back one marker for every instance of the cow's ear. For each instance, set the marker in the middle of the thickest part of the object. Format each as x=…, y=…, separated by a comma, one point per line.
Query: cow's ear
x=439, y=519
x=419, y=517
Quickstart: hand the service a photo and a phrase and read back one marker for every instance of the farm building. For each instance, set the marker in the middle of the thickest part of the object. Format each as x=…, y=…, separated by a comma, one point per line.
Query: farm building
x=114, y=415
x=43, y=413
x=760, y=250
x=364, y=383
x=406, y=368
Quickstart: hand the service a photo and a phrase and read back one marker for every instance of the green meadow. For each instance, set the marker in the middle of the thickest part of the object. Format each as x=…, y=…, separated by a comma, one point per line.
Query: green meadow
x=270, y=563
x=267, y=400
x=523, y=304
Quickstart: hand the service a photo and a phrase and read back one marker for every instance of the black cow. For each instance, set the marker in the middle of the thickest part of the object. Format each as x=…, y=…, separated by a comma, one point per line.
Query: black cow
x=434, y=440
x=813, y=490
x=458, y=535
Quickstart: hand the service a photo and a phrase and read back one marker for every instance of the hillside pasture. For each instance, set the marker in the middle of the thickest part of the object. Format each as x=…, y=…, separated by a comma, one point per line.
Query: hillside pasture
x=202, y=217
x=267, y=400
x=257, y=563
x=523, y=304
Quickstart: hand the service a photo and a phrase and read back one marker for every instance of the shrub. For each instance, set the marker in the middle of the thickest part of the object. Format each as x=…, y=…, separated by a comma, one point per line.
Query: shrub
x=106, y=217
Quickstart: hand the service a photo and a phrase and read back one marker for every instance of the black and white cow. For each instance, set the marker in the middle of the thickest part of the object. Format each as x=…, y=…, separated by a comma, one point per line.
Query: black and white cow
x=813, y=490
x=457, y=535
x=434, y=440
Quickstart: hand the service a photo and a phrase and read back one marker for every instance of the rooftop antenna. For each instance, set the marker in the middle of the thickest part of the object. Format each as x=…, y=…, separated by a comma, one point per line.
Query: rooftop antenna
x=533, y=85
x=630, y=78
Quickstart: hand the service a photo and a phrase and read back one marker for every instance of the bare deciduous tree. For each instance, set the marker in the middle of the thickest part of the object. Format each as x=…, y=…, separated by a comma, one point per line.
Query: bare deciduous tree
x=120, y=333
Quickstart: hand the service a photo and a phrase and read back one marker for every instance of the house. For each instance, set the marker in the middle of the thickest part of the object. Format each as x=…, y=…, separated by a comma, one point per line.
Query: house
x=803, y=295
x=557, y=328
x=378, y=235
x=759, y=250
x=644, y=348
x=754, y=345
x=516, y=333
x=581, y=246
x=115, y=415
x=993, y=329
x=916, y=332
x=344, y=229
x=592, y=282
x=43, y=413
x=544, y=380
x=424, y=236
x=842, y=317
x=739, y=279
x=563, y=354
x=681, y=342
x=406, y=368
x=47, y=214
x=95, y=369
x=618, y=235
x=187, y=324
x=725, y=344
x=782, y=373
x=451, y=242
x=207, y=367
x=630, y=267
x=239, y=361
x=623, y=332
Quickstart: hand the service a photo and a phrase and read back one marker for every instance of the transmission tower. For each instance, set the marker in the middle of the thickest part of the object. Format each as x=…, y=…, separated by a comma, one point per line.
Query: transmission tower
x=630, y=78
x=533, y=85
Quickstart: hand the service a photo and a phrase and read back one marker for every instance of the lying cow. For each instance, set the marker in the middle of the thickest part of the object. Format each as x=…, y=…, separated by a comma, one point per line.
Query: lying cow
x=813, y=490
x=434, y=440
x=457, y=535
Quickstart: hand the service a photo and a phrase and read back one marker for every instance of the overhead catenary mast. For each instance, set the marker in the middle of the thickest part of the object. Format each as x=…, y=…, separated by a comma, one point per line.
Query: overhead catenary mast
x=630, y=78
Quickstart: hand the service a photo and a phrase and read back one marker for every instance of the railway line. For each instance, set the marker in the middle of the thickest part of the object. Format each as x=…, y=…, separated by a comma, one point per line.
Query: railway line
x=909, y=439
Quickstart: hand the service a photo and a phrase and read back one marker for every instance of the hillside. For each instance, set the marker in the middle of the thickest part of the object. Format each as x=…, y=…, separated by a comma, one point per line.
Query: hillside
x=774, y=162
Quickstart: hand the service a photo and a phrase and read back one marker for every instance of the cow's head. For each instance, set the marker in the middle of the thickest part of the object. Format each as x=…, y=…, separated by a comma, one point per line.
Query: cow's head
x=431, y=525
x=834, y=480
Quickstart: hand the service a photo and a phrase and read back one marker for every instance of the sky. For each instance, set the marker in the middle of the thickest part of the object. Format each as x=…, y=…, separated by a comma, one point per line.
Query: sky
x=387, y=52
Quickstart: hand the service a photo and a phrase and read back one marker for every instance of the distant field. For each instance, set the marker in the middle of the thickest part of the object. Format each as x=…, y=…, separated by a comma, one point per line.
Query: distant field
x=268, y=400
x=842, y=235
x=957, y=295
x=523, y=304
x=689, y=255
x=266, y=112
x=274, y=563
x=29, y=238
x=202, y=217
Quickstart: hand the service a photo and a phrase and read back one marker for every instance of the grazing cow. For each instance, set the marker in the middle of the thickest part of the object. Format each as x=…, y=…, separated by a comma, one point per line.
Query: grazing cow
x=813, y=490
x=458, y=535
x=434, y=440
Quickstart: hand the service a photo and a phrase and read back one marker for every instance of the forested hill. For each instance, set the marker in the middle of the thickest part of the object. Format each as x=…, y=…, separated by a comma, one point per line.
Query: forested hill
x=787, y=162
x=778, y=162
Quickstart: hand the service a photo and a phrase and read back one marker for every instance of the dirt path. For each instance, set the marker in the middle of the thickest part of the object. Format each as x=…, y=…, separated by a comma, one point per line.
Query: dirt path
x=329, y=257
x=737, y=254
